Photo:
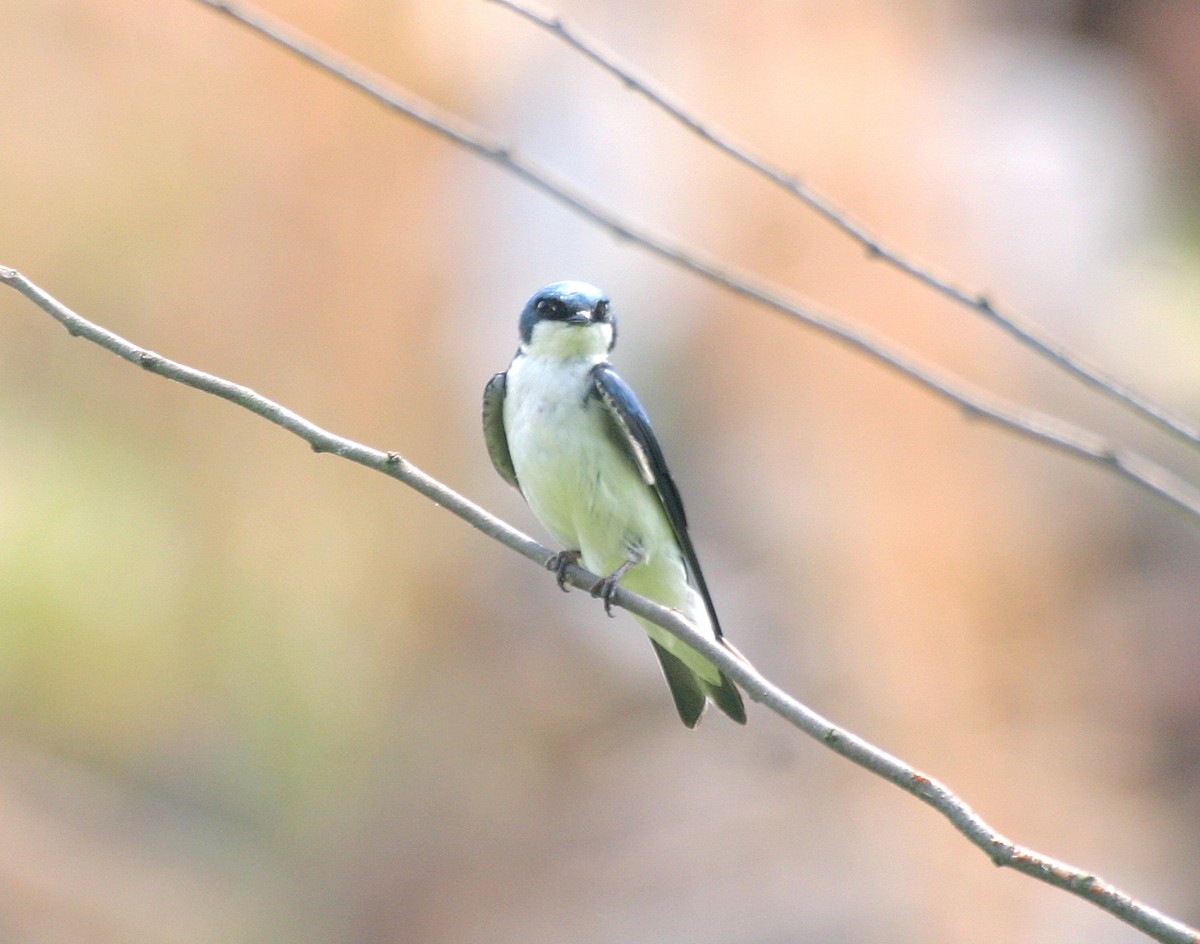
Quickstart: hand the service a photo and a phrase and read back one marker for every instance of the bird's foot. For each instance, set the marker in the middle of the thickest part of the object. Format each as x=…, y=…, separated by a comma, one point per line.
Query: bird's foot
x=607, y=586
x=559, y=564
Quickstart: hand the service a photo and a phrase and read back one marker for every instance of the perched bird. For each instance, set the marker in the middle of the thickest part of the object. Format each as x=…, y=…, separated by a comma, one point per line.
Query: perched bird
x=567, y=432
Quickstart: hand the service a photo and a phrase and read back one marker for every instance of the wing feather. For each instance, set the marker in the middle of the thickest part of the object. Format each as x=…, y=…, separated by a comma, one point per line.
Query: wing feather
x=493, y=429
x=631, y=427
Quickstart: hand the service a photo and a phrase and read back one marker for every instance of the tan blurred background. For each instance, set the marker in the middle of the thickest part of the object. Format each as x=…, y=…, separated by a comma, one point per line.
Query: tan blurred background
x=251, y=694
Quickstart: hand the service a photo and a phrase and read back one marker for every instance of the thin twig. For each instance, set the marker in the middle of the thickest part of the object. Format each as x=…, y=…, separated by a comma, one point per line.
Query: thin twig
x=1001, y=850
x=1041, y=427
x=1027, y=333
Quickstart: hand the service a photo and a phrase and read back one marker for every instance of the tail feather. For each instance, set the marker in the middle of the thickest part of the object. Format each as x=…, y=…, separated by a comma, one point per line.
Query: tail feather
x=726, y=697
x=691, y=692
x=686, y=686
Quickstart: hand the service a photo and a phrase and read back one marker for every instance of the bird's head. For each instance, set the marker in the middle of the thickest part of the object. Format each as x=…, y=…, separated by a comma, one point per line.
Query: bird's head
x=567, y=320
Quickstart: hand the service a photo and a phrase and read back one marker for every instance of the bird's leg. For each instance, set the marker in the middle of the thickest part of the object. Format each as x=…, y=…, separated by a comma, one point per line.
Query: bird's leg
x=559, y=564
x=608, y=585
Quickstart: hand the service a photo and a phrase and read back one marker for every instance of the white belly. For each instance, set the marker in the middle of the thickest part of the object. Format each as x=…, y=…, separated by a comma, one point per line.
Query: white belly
x=579, y=483
x=590, y=495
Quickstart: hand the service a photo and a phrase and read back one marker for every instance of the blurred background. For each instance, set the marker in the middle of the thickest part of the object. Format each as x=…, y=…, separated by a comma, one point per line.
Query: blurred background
x=252, y=694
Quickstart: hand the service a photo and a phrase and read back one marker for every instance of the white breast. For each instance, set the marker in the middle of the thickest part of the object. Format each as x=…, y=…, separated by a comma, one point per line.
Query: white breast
x=577, y=481
x=589, y=494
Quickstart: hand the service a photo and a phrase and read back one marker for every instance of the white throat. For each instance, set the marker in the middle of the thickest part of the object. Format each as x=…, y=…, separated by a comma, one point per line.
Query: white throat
x=559, y=341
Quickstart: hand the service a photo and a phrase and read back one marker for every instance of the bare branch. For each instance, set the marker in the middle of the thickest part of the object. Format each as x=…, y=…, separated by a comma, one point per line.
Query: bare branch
x=1028, y=334
x=1001, y=850
x=1048, y=430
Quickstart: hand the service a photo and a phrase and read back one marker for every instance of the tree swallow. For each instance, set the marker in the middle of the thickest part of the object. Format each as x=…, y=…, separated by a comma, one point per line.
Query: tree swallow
x=570, y=435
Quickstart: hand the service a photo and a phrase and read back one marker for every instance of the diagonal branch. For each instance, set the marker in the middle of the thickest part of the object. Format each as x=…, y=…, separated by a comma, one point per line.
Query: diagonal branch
x=1028, y=334
x=1001, y=850
x=1046, y=429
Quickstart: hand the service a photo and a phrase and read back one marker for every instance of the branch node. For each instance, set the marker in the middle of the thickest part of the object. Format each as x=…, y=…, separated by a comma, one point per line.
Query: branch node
x=148, y=360
x=872, y=248
x=984, y=304
x=1001, y=853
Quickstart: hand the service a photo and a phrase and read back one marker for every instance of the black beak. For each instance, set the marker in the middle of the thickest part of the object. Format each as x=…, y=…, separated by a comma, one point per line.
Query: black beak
x=579, y=318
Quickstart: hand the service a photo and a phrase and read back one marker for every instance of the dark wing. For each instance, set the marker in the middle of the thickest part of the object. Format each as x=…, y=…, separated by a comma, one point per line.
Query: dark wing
x=493, y=429
x=631, y=429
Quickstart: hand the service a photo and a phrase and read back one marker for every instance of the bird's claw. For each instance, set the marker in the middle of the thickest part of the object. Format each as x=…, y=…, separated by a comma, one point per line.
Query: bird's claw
x=605, y=589
x=559, y=564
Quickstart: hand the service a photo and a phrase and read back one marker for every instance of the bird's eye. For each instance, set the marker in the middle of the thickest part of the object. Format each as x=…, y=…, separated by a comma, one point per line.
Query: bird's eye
x=601, y=311
x=552, y=308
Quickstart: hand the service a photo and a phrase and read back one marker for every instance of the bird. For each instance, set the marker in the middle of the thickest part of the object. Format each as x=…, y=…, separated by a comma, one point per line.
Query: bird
x=568, y=433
